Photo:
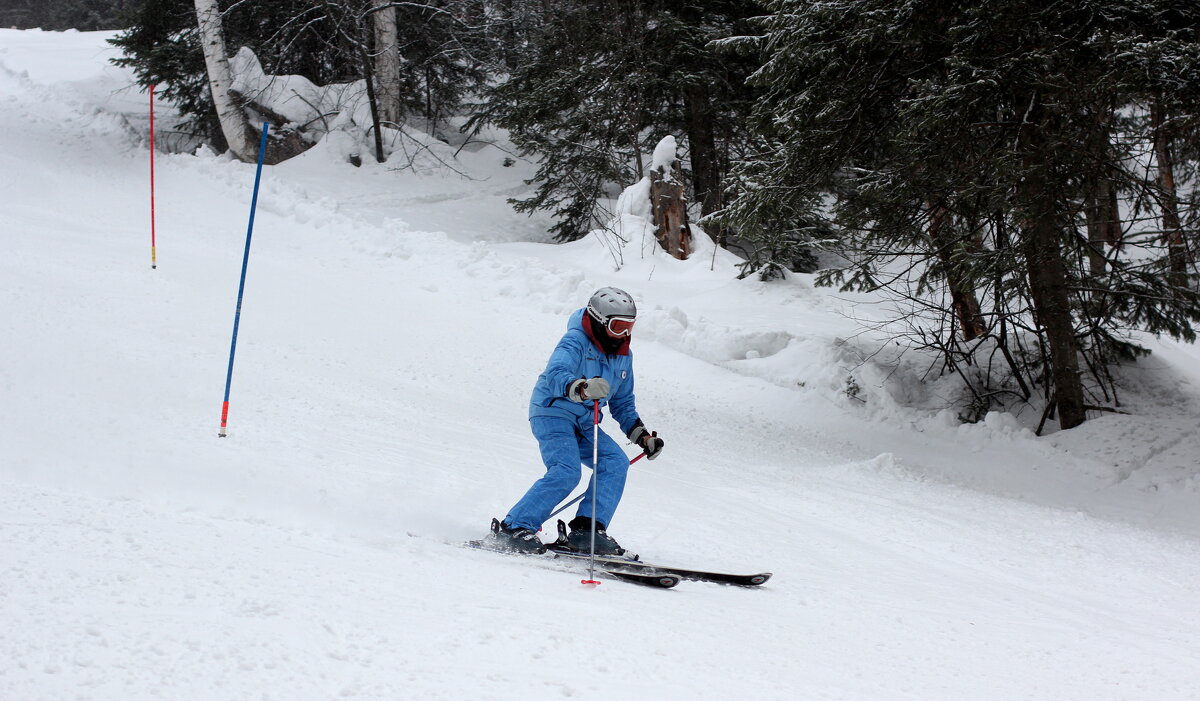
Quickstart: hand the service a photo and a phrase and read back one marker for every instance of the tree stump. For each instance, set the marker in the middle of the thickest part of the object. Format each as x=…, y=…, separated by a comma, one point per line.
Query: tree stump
x=669, y=208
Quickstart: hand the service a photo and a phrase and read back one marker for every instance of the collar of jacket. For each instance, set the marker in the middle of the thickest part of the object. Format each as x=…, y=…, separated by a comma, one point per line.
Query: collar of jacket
x=585, y=322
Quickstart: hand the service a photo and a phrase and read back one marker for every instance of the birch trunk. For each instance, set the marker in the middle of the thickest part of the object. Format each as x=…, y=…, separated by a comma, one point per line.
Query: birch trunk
x=220, y=80
x=387, y=61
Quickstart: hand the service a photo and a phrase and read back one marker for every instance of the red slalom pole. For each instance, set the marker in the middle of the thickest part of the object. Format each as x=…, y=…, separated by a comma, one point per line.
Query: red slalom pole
x=153, y=243
x=591, y=581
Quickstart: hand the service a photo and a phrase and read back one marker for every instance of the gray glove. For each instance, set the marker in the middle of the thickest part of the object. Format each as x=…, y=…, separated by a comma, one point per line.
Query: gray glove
x=648, y=441
x=587, y=390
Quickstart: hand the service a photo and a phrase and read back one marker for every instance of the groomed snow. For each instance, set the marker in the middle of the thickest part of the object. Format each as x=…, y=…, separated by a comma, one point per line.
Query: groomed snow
x=392, y=328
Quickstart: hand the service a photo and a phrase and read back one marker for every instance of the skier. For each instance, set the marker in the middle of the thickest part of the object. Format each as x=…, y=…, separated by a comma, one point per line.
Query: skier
x=591, y=364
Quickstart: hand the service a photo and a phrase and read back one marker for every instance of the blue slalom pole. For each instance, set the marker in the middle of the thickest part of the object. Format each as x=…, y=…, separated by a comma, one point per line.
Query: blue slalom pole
x=237, y=315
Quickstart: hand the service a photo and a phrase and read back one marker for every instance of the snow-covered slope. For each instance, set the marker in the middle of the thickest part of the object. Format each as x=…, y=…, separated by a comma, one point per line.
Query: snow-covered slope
x=392, y=327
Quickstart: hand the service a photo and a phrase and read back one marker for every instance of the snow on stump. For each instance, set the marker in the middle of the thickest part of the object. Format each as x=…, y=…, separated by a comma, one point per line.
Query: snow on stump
x=668, y=205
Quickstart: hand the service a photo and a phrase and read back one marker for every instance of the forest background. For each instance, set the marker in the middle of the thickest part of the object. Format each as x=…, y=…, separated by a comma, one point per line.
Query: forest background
x=1020, y=181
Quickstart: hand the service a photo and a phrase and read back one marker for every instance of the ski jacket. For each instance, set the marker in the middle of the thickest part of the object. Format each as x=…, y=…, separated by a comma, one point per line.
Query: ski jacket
x=578, y=356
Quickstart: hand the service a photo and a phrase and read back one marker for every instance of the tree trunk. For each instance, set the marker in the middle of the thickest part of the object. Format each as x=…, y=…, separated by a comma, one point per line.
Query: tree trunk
x=1100, y=209
x=1097, y=263
x=1047, y=286
x=373, y=103
x=1173, y=233
x=962, y=295
x=1103, y=220
x=387, y=61
x=234, y=126
x=1047, y=269
x=706, y=176
x=669, y=207
x=1111, y=223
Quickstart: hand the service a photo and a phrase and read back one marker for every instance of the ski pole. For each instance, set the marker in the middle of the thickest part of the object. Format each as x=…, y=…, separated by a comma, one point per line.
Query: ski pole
x=595, y=468
x=237, y=314
x=153, y=243
x=577, y=499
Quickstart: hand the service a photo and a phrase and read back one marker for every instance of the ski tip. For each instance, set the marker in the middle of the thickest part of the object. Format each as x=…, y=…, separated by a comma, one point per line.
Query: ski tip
x=589, y=583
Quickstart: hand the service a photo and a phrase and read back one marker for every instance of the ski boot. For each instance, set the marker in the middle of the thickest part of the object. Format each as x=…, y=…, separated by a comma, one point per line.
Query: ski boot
x=517, y=540
x=580, y=538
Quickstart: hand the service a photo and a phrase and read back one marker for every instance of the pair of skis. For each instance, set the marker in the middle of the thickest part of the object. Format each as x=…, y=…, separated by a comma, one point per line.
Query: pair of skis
x=659, y=575
x=629, y=568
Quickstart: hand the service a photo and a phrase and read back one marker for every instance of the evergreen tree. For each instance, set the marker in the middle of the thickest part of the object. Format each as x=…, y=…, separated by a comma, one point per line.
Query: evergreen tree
x=322, y=40
x=444, y=52
x=162, y=47
x=951, y=145
x=84, y=15
x=590, y=86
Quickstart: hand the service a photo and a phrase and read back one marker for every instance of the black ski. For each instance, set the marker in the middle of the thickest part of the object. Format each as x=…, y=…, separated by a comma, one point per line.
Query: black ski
x=661, y=580
x=629, y=562
x=620, y=564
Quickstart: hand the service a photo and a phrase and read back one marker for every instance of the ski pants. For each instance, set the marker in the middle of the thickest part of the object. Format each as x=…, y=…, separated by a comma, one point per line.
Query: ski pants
x=564, y=445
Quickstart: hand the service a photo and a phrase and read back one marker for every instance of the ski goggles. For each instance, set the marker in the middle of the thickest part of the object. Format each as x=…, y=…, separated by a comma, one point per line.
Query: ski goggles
x=619, y=325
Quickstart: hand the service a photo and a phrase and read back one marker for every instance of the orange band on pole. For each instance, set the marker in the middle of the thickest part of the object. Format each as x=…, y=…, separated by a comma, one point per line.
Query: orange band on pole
x=224, y=418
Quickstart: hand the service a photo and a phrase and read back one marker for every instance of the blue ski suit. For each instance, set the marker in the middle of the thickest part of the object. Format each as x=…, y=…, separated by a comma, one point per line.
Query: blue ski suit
x=563, y=429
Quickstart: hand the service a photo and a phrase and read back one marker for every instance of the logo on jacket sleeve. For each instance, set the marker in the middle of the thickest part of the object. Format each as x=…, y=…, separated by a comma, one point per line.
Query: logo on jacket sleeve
x=624, y=374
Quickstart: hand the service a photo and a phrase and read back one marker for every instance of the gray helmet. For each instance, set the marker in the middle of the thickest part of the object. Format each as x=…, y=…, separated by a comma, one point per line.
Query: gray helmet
x=610, y=302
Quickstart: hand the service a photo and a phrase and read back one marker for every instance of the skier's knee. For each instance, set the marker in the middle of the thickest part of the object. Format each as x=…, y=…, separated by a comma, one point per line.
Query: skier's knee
x=614, y=466
x=561, y=478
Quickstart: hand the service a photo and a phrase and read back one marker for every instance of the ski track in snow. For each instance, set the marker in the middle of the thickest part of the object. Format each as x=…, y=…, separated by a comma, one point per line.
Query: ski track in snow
x=392, y=327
